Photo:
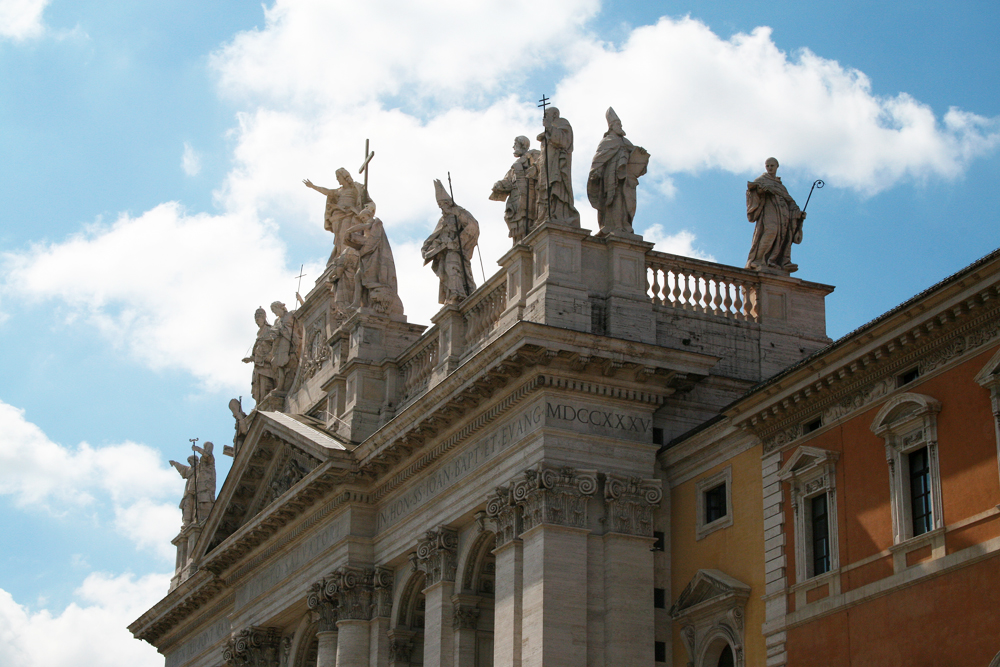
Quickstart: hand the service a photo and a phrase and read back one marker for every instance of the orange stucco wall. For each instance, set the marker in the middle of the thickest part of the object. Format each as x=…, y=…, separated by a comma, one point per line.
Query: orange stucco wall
x=970, y=482
x=737, y=550
x=950, y=619
x=946, y=621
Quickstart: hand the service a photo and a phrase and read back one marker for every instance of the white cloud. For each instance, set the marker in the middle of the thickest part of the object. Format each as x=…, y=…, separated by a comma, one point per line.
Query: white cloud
x=177, y=291
x=429, y=83
x=90, y=632
x=190, y=160
x=21, y=19
x=681, y=243
x=315, y=54
x=698, y=102
x=133, y=478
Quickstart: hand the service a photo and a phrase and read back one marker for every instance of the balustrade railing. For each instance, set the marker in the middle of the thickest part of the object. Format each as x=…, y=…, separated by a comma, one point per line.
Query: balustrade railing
x=416, y=368
x=701, y=287
x=482, y=311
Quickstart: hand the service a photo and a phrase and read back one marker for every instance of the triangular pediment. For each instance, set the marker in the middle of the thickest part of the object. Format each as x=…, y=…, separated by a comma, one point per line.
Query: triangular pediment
x=989, y=376
x=708, y=589
x=804, y=459
x=279, y=451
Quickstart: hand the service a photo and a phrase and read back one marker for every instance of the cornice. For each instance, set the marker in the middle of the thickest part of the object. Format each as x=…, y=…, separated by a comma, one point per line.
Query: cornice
x=865, y=370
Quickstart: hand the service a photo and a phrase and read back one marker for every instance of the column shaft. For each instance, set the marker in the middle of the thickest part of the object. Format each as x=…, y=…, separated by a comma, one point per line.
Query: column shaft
x=629, y=623
x=326, y=654
x=554, y=627
x=439, y=632
x=507, y=604
x=352, y=643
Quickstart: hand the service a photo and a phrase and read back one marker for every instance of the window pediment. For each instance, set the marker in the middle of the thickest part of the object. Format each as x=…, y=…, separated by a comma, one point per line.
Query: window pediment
x=899, y=411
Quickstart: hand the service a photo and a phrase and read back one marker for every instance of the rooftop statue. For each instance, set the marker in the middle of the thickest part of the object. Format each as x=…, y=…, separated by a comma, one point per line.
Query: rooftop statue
x=614, y=175
x=188, y=504
x=341, y=279
x=555, y=188
x=450, y=246
x=286, y=335
x=242, y=427
x=343, y=205
x=375, y=280
x=264, y=376
x=519, y=188
x=778, y=222
x=205, y=483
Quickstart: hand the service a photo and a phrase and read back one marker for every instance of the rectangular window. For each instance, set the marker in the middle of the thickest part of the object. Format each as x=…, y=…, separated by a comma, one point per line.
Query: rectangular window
x=660, y=544
x=920, y=491
x=659, y=598
x=907, y=377
x=715, y=503
x=660, y=651
x=820, y=535
x=657, y=436
x=812, y=425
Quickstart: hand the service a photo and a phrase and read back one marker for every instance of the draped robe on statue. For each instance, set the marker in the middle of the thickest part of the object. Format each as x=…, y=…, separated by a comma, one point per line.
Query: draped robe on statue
x=778, y=224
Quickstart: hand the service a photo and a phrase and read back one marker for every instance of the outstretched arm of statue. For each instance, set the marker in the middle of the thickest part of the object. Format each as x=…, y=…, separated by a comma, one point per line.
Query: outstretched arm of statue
x=181, y=468
x=317, y=188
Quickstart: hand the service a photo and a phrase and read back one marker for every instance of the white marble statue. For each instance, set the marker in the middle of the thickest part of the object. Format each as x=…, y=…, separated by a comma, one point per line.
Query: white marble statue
x=555, y=186
x=189, y=501
x=286, y=335
x=205, y=483
x=242, y=427
x=449, y=248
x=375, y=281
x=343, y=205
x=778, y=222
x=519, y=188
x=263, y=381
x=614, y=175
x=343, y=272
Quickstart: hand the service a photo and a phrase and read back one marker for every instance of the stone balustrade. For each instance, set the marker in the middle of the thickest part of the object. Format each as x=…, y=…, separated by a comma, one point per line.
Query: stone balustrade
x=416, y=366
x=702, y=287
x=483, y=308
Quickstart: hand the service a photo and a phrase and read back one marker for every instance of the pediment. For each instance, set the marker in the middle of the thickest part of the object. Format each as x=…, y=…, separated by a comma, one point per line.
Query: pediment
x=901, y=409
x=989, y=376
x=707, y=591
x=278, y=452
x=804, y=459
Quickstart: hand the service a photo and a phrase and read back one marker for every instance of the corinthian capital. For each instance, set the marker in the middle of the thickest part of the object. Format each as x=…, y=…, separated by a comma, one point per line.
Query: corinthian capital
x=435, y=555
x=630, y=503
x=253, y=647
x=554, y=495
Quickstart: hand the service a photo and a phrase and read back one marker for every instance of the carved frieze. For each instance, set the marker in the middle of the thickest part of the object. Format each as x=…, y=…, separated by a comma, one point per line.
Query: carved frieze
x=630, y=503
x=253, y=647
x=436, y=555
x=556, y=496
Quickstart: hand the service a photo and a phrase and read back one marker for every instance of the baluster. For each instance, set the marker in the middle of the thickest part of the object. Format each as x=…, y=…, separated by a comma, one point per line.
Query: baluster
x=656, y=284
x=727, y=303
x=697, y=296
x=675, y=295
x=687, y=291
x=717, y=295
x=738, y=304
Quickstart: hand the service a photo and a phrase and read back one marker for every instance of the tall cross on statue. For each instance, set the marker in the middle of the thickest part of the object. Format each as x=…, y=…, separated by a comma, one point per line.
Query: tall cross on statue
x=299, y=288
x=364, y=165
x=543, y=103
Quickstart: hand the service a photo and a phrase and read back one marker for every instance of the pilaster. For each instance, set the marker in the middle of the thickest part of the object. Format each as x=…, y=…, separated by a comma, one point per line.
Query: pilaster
x=554, y=506
x=507, y=597
x=466, y=620
x=629, y=621
x=436, y=558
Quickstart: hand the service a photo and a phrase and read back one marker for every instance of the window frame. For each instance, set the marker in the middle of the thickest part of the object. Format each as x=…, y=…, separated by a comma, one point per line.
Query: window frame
x=811, y=472
x=704, y=528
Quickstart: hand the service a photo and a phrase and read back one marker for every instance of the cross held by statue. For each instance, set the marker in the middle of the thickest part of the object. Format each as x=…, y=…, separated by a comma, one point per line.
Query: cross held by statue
x=364, y=165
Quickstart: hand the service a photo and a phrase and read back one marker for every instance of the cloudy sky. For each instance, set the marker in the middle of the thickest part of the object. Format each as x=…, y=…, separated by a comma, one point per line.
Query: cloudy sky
x=152, y=158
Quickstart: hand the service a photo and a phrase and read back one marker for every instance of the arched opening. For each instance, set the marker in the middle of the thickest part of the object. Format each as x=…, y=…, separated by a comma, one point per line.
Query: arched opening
x=726, y=658
x=719, y=653
x=406, y=639
x=478, y=588
x=305, y=644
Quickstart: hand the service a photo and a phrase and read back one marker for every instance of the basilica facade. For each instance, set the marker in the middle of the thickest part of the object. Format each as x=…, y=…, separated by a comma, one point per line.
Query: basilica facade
x=604, y=455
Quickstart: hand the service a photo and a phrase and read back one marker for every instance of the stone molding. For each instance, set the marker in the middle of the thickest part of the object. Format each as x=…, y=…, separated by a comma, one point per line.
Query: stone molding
x=630, y=502
x=556, y=496
x=437, y=555
x=869, y=378
x=253, y=647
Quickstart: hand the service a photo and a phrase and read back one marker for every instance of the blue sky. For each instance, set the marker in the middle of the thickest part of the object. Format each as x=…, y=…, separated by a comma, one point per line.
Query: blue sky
x=152, y=159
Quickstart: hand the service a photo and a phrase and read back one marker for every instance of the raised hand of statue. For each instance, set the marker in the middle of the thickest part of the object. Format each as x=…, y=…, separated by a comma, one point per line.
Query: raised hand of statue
x=308, y=183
